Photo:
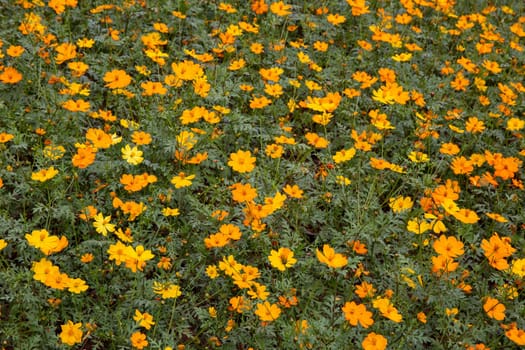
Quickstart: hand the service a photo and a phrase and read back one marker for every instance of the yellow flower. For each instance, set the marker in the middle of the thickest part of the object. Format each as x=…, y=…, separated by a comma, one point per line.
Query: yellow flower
x=41, y=239
x=268, y=312
x=170, y=211
x=44, y=174
x=418, y=157
x=143, y=319
x=167, y=290
x=132, y=155
x=280, y=8
x=102, y=224
x=71, y=333
x=3, y=244
x=518, y=267
x=77, y=285
x=402, y=57
x=331, y=258
x=400, y=204
x=242, y=161
x=282, y=259
x=344, y=155
x=385, y=307
x=182, y=180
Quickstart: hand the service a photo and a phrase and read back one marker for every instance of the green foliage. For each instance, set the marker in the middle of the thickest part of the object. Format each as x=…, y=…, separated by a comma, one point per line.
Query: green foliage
x=377, y=131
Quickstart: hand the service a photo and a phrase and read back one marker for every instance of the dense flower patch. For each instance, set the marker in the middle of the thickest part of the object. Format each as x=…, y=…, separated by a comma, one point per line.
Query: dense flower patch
x=262, y=175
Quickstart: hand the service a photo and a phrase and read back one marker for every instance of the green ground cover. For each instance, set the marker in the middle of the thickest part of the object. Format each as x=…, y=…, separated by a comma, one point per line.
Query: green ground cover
x=262, y=175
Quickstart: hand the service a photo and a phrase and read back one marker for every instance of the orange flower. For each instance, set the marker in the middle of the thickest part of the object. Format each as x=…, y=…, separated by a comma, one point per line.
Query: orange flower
x=449, y=149
x=516, y=335
x=141, y=138
x=5, y=137
x=99, y=138
x=65, y=51
x=293, y=191
x=271, y=74
x=331, y=258
x=364, y=290
x=316, y=140
x=496, y=250
x=259, y=7
x=442, y=263
x=494, y=309
x=153, y=88
x=138, y=340
x=117, y=79
x=242, y=161
x=461, y=165
x=280, y=8
x=357, y=313
x=358, y=7
x=243, y=192
x=505, y=168
x=187, y=70
x=384, y=305
x=268, y=312
x=10, y=76
x=84, y=157
x=460, y=83
x=79, y=105
x=374, y=341
x=448, y=246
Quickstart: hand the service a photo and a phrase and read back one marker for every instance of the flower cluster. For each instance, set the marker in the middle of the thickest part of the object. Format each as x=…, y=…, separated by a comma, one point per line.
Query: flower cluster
x=262, y=174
